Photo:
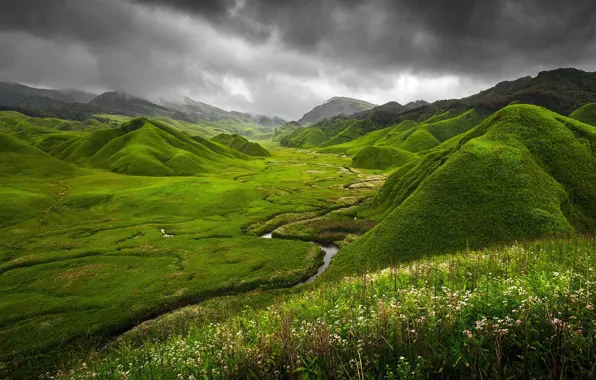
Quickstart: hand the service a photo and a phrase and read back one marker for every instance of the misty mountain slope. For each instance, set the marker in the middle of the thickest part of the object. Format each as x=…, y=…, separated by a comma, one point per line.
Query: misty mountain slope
x=14, y=93
x=264, y=120
x=525, y=172
x=334, y=107
x=206, y=112
x=585, y=114
x=241, y=144
x=116, y=102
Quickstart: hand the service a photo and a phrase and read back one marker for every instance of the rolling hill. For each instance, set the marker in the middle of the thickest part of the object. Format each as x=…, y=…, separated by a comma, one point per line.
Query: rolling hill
x=143, y=147
x=23, y=168
x=241, y=144
x=525, y=172
x=585, y=114
x=348, y=136
x=18, y=158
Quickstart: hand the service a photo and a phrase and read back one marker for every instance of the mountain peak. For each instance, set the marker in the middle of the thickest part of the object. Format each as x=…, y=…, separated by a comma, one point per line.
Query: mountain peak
x=335, y=106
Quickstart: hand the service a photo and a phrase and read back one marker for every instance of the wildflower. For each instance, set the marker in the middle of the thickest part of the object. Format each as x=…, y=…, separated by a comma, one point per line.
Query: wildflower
x=468, y=334
x=589, y=307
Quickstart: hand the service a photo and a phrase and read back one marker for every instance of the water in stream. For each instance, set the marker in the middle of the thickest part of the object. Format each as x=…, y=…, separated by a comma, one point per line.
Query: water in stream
x=330, y=251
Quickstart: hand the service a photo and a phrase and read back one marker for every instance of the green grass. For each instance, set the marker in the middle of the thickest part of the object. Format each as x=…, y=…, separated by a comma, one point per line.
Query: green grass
x=585, y=114
x=524, y=172
x=82, y=256
x=20, y=158
x=383, y=157
x=241, y=144
x=524, y=311
x=411, y=136
x=143, y=147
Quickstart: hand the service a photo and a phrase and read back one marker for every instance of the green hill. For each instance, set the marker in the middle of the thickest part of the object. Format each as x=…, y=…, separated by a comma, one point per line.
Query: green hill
x=383, y=157
x=412, y=136
x=524, y=172
x=241, y=144
x=23, y=194
x=17, y=158
x=585, y=114
x=143, y=147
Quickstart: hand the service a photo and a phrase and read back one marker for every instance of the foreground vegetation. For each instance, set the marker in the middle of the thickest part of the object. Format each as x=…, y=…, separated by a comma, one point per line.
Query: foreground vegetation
x=526, y=310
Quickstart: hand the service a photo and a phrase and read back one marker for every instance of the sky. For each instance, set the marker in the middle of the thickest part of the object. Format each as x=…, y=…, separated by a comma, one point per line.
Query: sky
x=283, y=57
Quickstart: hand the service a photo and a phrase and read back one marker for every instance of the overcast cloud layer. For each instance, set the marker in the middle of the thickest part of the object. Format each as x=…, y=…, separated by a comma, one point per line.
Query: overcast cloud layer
x=285, y=56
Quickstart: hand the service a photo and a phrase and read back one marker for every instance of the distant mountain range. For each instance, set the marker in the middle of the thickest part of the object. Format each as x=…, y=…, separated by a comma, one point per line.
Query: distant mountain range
x=79, y=105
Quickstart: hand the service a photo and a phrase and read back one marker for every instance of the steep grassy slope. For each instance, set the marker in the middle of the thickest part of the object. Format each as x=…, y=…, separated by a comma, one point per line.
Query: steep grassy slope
x=143, y=147
x=241, y=144
x=384, y=157
x=524, y=172
x=585, y=114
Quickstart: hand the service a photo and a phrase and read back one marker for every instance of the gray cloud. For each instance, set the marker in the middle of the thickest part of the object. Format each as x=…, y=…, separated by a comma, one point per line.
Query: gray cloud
x=461, y=36
x=285, y=56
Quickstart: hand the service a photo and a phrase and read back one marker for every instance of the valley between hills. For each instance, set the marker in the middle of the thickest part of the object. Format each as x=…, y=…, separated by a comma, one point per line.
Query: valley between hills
x=131, y=237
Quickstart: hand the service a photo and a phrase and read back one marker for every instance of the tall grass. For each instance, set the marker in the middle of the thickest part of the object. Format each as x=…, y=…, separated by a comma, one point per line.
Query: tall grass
x=526, y=310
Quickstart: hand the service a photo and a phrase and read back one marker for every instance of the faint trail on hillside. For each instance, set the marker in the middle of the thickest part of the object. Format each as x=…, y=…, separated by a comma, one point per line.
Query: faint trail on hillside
x=61, y=195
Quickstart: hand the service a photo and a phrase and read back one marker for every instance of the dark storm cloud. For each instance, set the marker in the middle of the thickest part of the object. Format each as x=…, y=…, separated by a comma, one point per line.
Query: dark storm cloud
x=462, y=36
x=286, y=56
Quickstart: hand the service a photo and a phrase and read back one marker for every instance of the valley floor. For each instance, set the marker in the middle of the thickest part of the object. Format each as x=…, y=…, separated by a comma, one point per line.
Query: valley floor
x=90, y=258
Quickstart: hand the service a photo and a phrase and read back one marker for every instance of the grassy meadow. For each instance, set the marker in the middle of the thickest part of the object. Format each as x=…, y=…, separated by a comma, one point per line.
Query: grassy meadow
x=521, y=311
x=131, y=248
x=83, y=255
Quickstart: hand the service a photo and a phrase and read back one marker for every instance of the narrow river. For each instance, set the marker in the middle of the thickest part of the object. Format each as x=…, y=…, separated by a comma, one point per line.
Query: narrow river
x=330, y=251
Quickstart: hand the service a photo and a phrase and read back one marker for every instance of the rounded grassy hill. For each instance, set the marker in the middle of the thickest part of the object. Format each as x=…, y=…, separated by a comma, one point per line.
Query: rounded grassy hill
x=525, y=172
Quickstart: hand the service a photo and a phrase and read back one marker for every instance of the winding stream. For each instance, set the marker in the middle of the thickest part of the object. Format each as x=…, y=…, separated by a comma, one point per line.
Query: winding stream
x=330, y=251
